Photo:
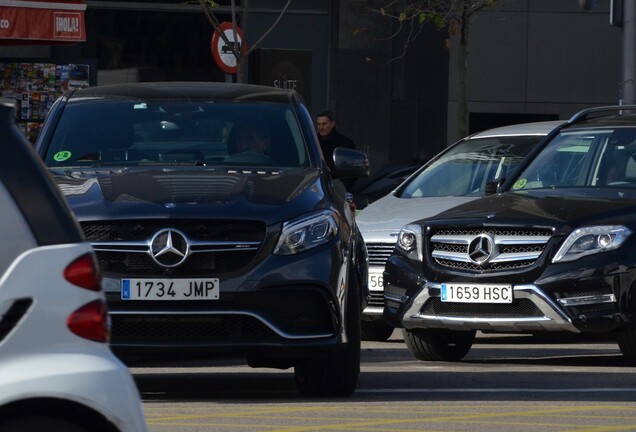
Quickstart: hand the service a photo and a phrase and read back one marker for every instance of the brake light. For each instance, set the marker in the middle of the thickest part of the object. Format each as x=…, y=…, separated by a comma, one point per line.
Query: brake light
x=91, y=321
x=83, y=272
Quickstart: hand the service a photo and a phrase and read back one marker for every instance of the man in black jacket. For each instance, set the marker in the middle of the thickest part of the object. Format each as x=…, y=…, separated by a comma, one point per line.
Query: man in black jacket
x=330, y=138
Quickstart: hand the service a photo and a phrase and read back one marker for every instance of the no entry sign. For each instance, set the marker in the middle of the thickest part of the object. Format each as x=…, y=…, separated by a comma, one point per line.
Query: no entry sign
x=221, y=52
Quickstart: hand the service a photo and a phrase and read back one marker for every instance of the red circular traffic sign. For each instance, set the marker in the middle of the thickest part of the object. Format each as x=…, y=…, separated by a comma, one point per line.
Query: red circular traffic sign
x=221, y=52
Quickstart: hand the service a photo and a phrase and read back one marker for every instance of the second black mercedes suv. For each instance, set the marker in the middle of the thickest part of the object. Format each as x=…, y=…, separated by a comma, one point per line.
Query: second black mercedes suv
x=217, y=225
x=554, y=250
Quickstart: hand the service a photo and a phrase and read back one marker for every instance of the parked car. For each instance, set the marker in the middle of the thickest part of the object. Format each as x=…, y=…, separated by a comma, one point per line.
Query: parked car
x=553, y=251
x=57, y=371
x=458, y=174
x=217, y=228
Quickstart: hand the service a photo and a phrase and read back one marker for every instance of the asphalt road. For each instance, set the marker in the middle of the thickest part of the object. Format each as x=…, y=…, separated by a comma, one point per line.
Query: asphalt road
x=506, y=383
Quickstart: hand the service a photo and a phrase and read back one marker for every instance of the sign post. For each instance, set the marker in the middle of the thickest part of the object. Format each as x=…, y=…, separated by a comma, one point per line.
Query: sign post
x=223, y=53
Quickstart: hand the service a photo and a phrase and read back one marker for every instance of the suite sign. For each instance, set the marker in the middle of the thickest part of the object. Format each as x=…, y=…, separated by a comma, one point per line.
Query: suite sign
x=284, y=68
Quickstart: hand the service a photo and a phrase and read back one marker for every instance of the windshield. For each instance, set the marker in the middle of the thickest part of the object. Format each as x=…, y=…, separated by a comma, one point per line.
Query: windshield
x=597, y=158
x=122, y=132
x=465, y=169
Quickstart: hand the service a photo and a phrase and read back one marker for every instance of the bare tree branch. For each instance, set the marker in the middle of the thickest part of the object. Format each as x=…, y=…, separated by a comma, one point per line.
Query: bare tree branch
x=282, y=12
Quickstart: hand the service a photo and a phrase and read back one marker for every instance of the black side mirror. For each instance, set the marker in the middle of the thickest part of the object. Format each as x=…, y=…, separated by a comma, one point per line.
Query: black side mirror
x=493, y=186
x=349, y=163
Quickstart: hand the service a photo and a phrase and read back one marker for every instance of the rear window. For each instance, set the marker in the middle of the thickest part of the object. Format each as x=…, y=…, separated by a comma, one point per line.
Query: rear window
x=123, y=132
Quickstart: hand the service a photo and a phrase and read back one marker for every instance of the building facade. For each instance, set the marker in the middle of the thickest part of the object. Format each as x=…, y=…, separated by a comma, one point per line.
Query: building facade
x=528, y=60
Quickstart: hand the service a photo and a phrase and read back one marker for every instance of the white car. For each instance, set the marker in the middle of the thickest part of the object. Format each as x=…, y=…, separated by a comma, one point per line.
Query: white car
x=456, y=175
x=57, y=373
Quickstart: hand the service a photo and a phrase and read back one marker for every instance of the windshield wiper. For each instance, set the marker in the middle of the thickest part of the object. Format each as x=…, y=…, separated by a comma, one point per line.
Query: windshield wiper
x=174, y=163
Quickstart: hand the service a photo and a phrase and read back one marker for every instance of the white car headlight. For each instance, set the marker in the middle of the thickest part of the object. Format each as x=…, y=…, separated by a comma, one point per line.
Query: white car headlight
x=591, y=240
x=410, y=241
x=305, y=233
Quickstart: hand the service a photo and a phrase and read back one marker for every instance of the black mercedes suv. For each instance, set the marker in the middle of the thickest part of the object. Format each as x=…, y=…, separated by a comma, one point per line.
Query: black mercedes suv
x=217, y=225
x=553, y=250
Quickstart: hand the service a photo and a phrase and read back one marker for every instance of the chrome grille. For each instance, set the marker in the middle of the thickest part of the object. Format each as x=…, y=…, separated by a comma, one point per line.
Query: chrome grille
x=217, y=246
x=512, y=248
x=379, y=253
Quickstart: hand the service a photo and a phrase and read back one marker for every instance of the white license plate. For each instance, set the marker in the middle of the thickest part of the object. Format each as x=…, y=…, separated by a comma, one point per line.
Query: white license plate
x=170, y=289
x=476, y=293
x=376, y=279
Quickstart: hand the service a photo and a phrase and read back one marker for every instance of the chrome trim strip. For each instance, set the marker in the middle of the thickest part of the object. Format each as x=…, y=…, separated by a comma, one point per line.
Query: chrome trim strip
x=587, y=300
x=373, y=310
x=195, y=246
x=516, y=256
x=505, y=257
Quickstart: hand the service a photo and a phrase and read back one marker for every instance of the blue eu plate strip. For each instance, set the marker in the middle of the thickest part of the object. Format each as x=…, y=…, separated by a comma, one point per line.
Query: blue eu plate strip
x=125, y=289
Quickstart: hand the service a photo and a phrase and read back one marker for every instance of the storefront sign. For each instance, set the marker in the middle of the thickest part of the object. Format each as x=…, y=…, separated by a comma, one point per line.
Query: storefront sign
x=60, y=21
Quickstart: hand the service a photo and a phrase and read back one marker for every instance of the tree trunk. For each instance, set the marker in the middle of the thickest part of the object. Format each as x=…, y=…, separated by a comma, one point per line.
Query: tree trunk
x=462, y=73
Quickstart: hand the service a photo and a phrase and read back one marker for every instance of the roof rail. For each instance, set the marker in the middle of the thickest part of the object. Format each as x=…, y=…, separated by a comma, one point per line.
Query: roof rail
x=582, y=115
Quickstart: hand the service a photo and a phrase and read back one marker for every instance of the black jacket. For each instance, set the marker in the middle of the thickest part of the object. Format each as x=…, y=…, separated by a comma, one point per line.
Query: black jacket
x=330, y=142
x=328, y=145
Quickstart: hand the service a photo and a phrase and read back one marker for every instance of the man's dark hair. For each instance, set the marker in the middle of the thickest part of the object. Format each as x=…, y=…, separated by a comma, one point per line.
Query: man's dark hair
x=328, y=114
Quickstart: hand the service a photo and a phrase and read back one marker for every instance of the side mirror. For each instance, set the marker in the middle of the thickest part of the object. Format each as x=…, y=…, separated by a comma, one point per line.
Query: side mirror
x=493, y=186
x=350, y=163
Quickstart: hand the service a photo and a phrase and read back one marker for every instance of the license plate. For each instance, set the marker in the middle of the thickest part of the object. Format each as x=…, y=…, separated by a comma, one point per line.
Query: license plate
x=376, y=279
x=170, y=289
x=476, y=293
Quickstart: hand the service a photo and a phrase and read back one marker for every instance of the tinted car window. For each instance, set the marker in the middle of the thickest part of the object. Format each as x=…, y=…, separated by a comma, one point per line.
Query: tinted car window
x=603, y=158
x=132, y=132
x=467, y=167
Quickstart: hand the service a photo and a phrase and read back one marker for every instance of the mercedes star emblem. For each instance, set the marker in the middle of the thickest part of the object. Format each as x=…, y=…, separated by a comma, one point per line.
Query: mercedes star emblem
x=481, y=249
x=169, y=247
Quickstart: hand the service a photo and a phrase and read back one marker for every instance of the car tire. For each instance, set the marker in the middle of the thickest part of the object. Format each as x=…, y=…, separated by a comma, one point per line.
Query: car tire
x=376, y=330
x=438, y=345
x=627, y=343
x=39, y=424
x=337, y=374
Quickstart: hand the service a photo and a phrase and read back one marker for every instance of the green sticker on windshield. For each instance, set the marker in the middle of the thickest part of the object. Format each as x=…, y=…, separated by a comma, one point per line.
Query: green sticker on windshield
x=61, y=156
x=520, y=184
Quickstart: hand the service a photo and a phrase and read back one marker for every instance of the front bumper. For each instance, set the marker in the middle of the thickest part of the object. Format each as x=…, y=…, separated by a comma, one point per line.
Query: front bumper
x=282, y=306
x=532, y=311
x=561, y=300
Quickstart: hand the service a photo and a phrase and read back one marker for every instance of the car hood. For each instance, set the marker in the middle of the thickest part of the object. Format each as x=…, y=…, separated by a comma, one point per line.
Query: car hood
x=389, y=214
x=565, y=209
x=270, y=196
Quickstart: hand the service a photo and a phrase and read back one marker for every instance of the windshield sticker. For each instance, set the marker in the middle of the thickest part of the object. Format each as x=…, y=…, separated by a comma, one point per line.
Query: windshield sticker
x=519, y=184
x=61, y=156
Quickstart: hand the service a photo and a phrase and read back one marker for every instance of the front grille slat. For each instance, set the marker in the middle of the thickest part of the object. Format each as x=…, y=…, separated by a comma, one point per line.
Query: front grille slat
x=379, y=253
x=522, y=308
x=199, y=230
x=186, y=330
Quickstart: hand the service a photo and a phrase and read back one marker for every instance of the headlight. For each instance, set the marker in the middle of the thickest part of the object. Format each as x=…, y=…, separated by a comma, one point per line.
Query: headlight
x=591, y=240
x=305, y=233
x=410, y=242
